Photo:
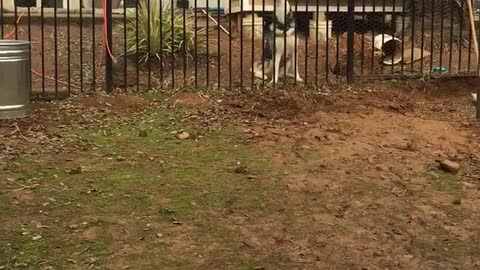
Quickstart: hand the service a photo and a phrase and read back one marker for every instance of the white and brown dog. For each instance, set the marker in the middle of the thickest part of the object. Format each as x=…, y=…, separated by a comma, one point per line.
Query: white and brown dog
x=279, y=44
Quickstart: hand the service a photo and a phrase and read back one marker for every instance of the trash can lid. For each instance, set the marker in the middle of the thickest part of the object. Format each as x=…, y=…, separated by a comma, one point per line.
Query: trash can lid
x=13, y=42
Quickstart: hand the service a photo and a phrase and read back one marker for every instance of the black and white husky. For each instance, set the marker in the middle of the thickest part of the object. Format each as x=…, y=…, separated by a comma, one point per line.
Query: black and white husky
x=279, y=44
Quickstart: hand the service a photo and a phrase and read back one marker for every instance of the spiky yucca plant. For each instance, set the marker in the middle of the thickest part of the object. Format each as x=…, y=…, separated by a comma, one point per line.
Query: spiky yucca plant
x=161, y=39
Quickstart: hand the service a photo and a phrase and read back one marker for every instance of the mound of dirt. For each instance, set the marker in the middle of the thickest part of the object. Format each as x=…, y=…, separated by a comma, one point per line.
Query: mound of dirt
x=278, y=104
x=121, y=103
x=188, y=100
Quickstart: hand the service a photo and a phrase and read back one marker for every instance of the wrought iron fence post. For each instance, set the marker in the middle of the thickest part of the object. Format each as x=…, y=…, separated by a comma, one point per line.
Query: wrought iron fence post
x=478, y=93
x=478, y=101
x=108, y=58
x=350, y=37
x=477, y=115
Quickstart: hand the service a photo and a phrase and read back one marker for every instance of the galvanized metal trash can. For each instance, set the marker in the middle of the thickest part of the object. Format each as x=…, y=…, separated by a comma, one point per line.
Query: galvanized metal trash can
x=15, y=83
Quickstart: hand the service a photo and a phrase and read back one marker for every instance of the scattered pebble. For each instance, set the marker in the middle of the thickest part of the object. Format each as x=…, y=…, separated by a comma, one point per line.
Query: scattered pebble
x=183, y=135
x=77, y=170
x=450, y=166
x=241, y=170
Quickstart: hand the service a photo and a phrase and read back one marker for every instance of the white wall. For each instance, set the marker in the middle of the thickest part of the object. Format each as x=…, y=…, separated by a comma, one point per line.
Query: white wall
x=211, y=3
x=8, y=5
x=166, y=3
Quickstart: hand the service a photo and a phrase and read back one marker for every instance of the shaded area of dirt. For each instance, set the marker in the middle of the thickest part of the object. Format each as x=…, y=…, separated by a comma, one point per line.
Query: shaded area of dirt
x=433, y=99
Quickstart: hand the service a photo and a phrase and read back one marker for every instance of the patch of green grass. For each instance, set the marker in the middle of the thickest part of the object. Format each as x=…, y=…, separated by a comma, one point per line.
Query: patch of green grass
x=190, y=181
x=311, y=155
x=366, y=188
x=455, y=248
x=29, y=253
x=457, y=214
x=156, y=95
x=448, y=183
x=93, y=138
x=29, y=171
x=445, y=183
x=54, y=248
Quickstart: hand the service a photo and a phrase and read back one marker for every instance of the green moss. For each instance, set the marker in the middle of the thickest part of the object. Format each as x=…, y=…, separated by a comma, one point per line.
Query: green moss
x=189, y=181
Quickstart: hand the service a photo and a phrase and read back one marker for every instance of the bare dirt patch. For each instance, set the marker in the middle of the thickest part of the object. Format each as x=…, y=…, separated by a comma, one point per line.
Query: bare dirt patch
x=363, y=165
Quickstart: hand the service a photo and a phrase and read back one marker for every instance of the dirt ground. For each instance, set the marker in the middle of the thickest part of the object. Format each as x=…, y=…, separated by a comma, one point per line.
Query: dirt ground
x=343, y=178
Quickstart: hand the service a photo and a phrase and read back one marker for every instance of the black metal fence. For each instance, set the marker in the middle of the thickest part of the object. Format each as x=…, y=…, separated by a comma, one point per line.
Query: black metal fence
x=89, y=45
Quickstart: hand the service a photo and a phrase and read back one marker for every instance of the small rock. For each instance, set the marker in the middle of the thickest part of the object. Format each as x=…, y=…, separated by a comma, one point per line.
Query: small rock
x=40, y=226
x=159, y=235
x=36, y=237
x=78, y=170
x=120, y=158
x=183, y=135
x=329, y=137
x=457, y=202
x=450, y=166
x=241, y=170
x=71, y=261
x=371, y=160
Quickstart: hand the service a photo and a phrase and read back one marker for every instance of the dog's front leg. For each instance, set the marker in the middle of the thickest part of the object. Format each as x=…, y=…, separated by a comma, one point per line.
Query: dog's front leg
x=295, y=62
x=276, y=68
x=289, y=68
